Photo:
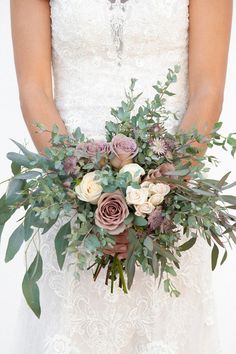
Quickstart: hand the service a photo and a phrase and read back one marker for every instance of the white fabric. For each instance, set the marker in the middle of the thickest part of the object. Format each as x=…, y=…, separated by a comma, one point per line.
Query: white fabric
x=98, y=45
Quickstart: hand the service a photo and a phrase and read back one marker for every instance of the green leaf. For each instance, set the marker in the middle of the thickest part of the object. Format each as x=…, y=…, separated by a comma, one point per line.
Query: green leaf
x=30, y=155
x=214, y=256
x=16, y=168
x=170, y=270
x=165, y=253
x=1, y=230
x=61, y=243
x=130, y=270
x=13, y=194
x=5, y=211
x=148, y=243
x=49, y=225
x=129, y=219
x=167, y=285
x=224, y=258
x=223, y=180
x=187, y=245
x=192, y=221
x=231, y=141
x=92, y=243
x=155, y=265
x=140, y=221
x=30, y=287
x=229, y=199
x=28, y=175
x=19, y=159
x=15, y=242
x=183, y=172
x=202, y=192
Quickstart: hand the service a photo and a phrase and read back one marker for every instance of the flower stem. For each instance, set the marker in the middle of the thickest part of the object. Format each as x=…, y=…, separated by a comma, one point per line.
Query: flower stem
x=120, y=270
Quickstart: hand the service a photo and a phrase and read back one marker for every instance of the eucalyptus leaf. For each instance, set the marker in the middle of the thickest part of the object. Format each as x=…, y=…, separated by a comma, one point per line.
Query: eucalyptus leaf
x=61, y=243
x=187, y=245
x=13, y=193
x=19, y=159
x=1, y=230
x=155, y=265
x=129, y=219
x=92, y=243
x=28, y=175
x=15, y=242
x=224, y=257
x=130, y=270
x=223, y=180
x=140, y=221
x=183, y=172
x=229, y=199
x=30, y=287
x=148, y=243
x=16, y=168
x=214, y=256
x=202, y=192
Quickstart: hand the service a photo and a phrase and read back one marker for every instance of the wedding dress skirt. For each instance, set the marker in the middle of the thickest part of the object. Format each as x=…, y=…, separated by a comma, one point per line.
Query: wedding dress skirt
x=98, y=46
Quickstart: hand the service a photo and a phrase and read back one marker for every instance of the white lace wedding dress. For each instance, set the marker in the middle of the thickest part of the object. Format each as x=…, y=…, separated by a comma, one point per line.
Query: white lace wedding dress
x=98, y=46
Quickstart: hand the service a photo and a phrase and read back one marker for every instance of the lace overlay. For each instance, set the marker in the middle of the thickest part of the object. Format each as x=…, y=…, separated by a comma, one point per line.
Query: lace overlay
x=98, y=45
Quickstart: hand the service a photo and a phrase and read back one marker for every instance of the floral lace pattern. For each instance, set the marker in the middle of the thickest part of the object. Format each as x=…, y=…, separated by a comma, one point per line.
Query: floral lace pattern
x=82, y=317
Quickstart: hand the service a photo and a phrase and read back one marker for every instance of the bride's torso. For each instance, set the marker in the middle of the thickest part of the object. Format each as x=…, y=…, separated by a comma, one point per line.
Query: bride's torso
x=99, y=45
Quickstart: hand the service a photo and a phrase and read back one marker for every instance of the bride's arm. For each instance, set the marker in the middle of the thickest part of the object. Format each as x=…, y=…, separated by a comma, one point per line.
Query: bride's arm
x=31, y=35
x=209, y=34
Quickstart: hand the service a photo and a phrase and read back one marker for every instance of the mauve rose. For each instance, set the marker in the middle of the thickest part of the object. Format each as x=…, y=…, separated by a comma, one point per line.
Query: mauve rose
x=121, y=246
x=92, y=148
x=111, y=212
x=153, y=174
x=124, y=150
x=160, y=171
x=70, y=165
x=165, y=168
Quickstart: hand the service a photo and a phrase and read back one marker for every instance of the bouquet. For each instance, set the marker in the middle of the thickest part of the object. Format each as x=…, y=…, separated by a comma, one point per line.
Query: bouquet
x=135, y=199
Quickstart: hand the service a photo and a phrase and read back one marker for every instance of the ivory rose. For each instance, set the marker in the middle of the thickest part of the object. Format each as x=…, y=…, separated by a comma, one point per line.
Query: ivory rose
x=89, y=190
x=136, y=196
x=143, y=209
x=156, y=199
x=135, y=170
x=159, y=188
x=111, y=212
x=124, y=149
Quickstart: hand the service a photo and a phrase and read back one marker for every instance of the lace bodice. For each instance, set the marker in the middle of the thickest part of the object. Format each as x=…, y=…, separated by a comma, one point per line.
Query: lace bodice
x=99, y=45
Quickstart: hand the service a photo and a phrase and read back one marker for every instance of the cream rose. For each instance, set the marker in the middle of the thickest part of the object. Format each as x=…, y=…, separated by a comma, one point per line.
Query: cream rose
x=159, y=188
x=135, y=170
x=143, y=209
x=147, y=185
x=156, y=199
x=89, y=190
x=136, y=196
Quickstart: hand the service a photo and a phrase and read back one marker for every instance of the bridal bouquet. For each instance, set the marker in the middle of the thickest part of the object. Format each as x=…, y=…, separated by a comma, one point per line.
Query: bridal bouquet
x=136, y=199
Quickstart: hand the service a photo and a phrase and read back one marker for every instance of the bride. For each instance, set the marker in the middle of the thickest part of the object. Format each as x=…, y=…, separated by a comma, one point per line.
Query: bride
x=95, y=48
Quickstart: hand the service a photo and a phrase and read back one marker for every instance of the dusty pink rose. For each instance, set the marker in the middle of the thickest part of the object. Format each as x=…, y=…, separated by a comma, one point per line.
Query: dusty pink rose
x=124, y=149
x=160, y=171
x=165, y=168
x=121, y=246
x=92, y=148
x=111, y=212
